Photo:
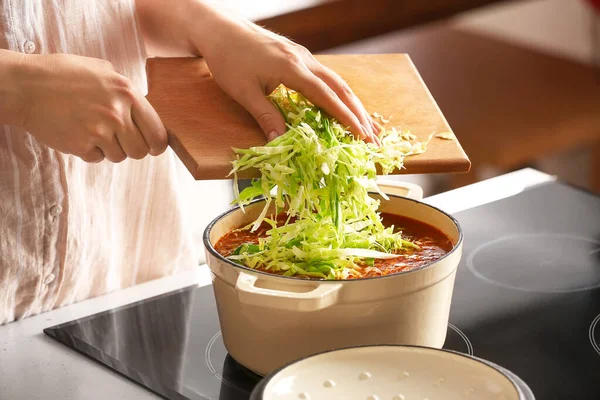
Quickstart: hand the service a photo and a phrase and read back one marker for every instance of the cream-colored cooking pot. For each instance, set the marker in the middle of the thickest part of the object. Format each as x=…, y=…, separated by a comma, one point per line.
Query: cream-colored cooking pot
x=267, y=320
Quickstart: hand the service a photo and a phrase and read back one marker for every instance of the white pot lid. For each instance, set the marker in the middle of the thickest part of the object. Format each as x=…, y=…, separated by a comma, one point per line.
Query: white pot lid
x=391, y=372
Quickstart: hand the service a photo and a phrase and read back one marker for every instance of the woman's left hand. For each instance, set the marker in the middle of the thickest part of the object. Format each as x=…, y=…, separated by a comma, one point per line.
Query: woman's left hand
x=249, y=62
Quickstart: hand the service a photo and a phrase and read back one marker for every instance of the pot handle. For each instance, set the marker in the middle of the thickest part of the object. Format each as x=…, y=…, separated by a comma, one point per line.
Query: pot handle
x=404, y=189
x=322, y=296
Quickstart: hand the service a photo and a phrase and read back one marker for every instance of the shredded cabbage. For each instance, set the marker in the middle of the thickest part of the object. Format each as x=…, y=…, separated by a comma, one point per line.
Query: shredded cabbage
x=320, y=176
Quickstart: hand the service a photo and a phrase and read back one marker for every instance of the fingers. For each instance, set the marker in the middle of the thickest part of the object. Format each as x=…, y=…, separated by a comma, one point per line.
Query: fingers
x=345, y=93
x=112, y=149
x=93, y=156
x=149, y=125
x=265, y=113
x=377, y=127
x=132, y=141
x=116, y=147
x=319, y=93
x=137, y=131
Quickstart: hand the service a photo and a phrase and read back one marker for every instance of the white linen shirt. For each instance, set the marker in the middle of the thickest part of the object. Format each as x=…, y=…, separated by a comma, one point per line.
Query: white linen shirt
x=71, y=230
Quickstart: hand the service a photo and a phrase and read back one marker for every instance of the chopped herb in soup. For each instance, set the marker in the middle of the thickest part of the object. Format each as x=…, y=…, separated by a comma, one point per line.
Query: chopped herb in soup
x=432, y=245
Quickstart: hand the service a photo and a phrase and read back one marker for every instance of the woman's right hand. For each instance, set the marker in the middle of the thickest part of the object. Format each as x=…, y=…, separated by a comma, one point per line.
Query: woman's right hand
x=82, y=106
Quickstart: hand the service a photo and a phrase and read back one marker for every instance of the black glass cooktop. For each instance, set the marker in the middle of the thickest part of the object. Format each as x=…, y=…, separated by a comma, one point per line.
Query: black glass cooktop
x=527, y=297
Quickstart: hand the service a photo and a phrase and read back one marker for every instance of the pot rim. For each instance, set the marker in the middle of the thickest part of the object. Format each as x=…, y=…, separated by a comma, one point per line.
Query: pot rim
x=209, y=247
x=259, y=391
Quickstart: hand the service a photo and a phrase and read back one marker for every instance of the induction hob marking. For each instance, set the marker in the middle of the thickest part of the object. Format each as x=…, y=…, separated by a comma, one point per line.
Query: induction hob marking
x=547, y=261
x=209, y=363
x=464, y=337
x=212, y=368
x=595, y=344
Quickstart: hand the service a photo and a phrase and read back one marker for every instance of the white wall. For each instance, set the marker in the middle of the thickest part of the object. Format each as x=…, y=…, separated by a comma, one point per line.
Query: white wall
x=562, y=27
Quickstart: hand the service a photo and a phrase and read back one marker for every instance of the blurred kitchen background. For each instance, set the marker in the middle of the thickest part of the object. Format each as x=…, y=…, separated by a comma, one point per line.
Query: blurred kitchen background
x=518, y=81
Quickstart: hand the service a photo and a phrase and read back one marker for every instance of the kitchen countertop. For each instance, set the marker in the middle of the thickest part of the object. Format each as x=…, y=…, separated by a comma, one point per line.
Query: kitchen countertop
x=33, y=366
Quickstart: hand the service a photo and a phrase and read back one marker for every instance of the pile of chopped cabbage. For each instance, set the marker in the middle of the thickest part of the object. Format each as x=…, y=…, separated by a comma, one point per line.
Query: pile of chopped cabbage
x=320, y=176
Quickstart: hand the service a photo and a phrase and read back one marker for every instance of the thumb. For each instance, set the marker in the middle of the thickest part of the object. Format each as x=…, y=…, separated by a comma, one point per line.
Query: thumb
x=265, y=113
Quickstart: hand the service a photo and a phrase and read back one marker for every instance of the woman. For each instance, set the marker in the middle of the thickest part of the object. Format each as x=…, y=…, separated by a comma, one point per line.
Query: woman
x=90, y=200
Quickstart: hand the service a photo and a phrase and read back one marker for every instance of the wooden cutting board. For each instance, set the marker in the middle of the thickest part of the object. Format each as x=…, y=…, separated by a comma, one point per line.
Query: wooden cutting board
x=204, y=123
